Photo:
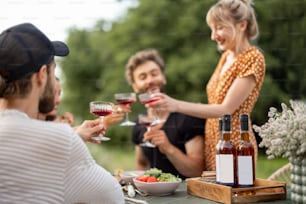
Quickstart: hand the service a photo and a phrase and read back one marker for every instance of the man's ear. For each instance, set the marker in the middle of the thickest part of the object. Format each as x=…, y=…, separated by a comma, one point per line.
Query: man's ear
x=42, y=75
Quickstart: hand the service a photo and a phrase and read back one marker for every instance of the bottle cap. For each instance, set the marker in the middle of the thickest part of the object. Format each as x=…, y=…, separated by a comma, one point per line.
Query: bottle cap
x=244, y=122
x=227, y=122
x=220, y=124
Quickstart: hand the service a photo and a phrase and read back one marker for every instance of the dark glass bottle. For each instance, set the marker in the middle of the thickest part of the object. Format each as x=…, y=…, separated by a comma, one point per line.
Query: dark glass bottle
x=218, y=148
x=245, y=156
x=228, y=173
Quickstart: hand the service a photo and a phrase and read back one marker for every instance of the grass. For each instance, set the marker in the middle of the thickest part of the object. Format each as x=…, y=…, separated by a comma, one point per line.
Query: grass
x=266, y=167
x=122, y=157
x=113, y=157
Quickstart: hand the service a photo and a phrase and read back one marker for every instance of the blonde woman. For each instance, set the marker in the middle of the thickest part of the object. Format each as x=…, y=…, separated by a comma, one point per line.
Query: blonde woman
x=236, y=82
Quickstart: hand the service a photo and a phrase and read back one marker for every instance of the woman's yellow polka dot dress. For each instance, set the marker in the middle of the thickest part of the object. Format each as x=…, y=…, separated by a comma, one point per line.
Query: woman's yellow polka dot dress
x=250, y=62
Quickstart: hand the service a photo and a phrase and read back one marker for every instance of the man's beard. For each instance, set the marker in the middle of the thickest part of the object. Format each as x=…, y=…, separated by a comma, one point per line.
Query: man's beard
x=46, y=102
x=160, y=86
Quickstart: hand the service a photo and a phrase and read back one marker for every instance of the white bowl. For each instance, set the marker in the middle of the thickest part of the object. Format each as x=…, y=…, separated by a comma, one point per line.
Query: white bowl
x=157, y=188
x=127, y=176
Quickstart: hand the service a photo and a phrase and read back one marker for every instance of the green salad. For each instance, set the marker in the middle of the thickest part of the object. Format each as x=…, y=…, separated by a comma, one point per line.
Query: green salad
x=161, y=176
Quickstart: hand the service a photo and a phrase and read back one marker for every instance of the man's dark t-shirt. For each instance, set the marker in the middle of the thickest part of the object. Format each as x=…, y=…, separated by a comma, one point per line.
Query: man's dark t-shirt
x=179, y=129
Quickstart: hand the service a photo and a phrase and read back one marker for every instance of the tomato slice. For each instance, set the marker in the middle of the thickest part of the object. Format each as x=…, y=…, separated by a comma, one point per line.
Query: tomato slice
x=142, y=178
x=152, y=179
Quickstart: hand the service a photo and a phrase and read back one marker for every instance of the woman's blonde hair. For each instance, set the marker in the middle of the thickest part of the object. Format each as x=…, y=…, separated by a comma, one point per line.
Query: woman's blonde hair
x=229, y=12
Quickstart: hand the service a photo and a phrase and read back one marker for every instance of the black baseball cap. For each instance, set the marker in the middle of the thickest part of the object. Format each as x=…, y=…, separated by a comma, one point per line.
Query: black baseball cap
x=24, y=49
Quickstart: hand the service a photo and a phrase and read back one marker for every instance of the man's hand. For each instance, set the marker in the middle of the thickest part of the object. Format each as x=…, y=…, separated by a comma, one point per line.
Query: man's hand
x=89, y=129
x=158, y=138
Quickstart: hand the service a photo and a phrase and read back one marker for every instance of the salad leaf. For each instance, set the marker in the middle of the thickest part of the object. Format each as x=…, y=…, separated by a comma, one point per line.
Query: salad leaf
x=153, y=172
x=167, y=177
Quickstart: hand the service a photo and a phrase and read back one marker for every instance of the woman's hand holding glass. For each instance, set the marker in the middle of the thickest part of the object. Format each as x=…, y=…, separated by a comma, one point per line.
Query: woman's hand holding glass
x=147, y=99
x=164, y=103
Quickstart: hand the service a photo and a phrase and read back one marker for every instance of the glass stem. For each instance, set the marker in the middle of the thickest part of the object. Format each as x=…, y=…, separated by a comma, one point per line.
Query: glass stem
x=155, y=115
x=127, y=117
x=101, y=120
x=154, y=157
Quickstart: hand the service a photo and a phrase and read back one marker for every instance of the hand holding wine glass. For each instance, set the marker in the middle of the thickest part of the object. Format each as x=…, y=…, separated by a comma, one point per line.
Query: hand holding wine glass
x=101, y=109
x=148, y=121
x=146, y=98
x=165, y=103
x=117, y=116
x=88, y=129
x=126, y=99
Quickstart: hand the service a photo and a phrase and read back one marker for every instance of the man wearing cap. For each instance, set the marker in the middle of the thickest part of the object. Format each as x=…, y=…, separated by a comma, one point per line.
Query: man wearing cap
x=41, y=162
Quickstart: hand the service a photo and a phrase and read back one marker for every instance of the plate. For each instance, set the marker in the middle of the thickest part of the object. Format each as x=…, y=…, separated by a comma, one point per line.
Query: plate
x=157, y=188
x=127, y=176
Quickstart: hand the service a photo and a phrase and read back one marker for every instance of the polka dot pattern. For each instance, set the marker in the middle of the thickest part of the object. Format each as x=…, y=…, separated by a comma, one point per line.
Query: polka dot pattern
x=250, y=62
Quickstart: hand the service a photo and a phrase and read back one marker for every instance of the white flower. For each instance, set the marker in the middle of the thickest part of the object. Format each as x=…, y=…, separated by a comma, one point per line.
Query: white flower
x=277, y=141
x=284, y=134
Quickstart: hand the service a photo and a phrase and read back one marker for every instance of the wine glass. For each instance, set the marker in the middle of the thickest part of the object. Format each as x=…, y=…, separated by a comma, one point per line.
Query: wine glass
x=146, y=98
x=124, y=99
x=148, y=121
x=101, y=109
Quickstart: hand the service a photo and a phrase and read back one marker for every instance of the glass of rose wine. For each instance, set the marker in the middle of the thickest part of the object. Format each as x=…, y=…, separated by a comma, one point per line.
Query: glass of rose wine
x=146, y=98
x=125, y=99
x=101, y=109
x=148, y=121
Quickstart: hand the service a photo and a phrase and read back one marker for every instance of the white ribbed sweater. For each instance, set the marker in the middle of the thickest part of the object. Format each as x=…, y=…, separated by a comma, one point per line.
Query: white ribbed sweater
x=46, y=162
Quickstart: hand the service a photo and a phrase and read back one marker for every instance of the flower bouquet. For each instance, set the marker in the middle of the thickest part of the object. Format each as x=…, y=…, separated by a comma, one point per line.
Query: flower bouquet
x=284, y=134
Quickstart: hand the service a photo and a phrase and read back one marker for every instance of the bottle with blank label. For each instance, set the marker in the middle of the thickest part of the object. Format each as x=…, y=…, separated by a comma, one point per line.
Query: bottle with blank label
x=227, y=159
x=218, y=148
x=245, y=156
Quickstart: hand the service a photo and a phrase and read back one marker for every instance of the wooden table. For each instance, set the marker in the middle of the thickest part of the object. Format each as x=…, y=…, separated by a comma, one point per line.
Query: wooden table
x=182, y=197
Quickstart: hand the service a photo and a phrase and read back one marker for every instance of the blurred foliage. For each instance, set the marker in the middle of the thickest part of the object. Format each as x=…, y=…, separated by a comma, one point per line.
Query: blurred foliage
x=94, y=70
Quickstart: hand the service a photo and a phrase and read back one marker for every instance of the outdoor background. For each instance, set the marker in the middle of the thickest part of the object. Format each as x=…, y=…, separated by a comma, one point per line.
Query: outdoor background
x=94, y=70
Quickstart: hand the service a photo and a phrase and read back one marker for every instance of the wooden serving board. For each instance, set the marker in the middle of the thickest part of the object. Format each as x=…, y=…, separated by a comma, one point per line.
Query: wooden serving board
x=264, y=190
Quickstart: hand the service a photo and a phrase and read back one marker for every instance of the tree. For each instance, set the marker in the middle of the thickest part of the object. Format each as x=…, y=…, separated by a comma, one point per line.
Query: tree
x=283, y=27
x=95, y=68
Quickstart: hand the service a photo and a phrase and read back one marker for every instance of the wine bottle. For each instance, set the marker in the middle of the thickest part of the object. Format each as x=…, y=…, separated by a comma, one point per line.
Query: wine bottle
x=218, y=148
x=227, y=173
x=245, y=155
